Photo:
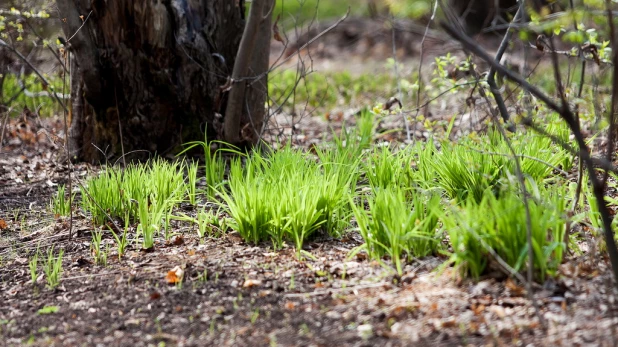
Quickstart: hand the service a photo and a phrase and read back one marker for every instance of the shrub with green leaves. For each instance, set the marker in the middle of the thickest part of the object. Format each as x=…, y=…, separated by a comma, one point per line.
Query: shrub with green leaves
x=392, y=226
x=499, y=224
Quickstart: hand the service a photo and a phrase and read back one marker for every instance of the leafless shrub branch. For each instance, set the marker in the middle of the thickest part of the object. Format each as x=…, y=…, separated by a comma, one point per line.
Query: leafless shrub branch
x=564, y=111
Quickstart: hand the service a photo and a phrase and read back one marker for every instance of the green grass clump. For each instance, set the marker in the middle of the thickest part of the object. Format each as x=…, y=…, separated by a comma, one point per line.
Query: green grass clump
x=248, y=200
x=464, y=173
x=335, y=182
x=385, y=167
x=192, y=183
x=539, y=155
x=590, y=210
x=289, y=195
x=472, y=167
x=118, y=193
x=145, y=193
x=214, y=166
x=205, y=221
x=33, y=264
x=392, y=226
x=103, y=195
x=99, y=254
x=166, y=183
x=53, y=268
x=59, y=204
x=150, y=216
x=499, y=224
x=302, y=12
x=121, y=239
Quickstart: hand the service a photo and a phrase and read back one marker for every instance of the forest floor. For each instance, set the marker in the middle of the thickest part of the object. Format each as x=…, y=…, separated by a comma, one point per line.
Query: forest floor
x=238, y=294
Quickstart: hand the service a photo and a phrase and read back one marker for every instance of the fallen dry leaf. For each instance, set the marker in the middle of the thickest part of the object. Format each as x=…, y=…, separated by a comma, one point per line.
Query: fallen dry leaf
x=3, y=224
x=174, y=275
x=251, y=283
x=276, y=33
x=177, y=240
x=478, y=309
x=498, y=311
x=515, y=289
x=290, y=305
x=155, y=295
x=243, y=331
x=400, y=312
x=391, y=102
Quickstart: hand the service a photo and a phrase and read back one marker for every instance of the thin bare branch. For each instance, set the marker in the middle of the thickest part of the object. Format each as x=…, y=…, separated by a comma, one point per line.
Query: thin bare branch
x=567, y=115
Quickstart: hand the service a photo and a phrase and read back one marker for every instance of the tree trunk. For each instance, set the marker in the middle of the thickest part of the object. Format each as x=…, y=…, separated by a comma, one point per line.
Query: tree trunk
x=147, y=74
x=248, y=89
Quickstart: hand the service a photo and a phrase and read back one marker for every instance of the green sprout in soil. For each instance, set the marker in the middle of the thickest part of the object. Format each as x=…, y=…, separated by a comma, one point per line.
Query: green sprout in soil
x=192, y=182
x=60, y=205
x=32, y=265
x=214, y=165
x=121, y=240
x=99, y=255
x=53, y=268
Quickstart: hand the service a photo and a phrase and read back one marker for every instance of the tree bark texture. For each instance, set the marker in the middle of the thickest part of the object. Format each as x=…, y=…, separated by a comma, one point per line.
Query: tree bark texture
x=245, y=105
x=150, y=70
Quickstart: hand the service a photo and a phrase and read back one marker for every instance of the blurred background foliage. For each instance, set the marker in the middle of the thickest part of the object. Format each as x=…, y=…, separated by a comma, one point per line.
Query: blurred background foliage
x=295, y=12
x=30, y=28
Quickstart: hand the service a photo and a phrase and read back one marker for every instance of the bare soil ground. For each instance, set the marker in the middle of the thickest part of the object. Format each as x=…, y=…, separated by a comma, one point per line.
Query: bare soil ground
x=243, y=295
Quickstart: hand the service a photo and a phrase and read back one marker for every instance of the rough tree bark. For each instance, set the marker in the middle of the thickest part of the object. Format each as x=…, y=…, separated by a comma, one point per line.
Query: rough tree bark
x=147, y=74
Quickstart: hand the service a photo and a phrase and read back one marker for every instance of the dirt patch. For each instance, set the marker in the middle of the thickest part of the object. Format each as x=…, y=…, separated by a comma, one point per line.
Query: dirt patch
x=233, y=293
x=236, y=294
